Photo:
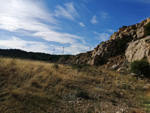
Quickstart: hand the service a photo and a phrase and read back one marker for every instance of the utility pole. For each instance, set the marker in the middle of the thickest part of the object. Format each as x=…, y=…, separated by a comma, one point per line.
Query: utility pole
x=63, y=50
x=90, y=48
x=53, y=51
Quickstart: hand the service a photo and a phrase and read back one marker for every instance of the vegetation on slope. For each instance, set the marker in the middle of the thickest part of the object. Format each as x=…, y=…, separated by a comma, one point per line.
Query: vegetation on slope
x=147, y=29
x=16, y=53
x=141, y=67
x=38, y=87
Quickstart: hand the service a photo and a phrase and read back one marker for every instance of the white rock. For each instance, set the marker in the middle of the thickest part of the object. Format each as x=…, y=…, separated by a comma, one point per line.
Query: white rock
x=138, y=50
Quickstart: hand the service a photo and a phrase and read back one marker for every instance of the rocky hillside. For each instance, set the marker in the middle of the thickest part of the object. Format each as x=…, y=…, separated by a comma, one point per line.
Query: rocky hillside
x=38, y=87
x=128, y=43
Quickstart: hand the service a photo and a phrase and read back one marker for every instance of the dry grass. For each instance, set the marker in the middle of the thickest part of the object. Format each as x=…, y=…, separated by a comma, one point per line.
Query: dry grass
x=29, y=86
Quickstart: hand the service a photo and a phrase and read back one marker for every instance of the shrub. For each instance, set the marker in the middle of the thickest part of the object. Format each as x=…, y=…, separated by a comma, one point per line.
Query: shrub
x=80, y=67
x=82, y=94
x=89, y=70
x=147, y=29
x=55, y=66
x=140, y=67
x=121, y=44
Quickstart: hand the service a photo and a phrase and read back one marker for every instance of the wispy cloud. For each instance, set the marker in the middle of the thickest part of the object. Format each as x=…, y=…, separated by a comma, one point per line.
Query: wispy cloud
x=17, y=43
x=94, y=20
x=81, y=24
x=30, y=18
x=103, y=14
x=68, y=11
x=102, y=36
x=110, y=30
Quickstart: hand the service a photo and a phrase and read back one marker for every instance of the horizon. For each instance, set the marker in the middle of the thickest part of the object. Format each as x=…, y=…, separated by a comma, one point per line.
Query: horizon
x=78, y=27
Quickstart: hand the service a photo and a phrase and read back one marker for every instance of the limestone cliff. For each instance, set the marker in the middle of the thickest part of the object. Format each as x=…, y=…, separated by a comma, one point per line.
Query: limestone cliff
x=138, y=50
x=129, y=41
x=134, y=31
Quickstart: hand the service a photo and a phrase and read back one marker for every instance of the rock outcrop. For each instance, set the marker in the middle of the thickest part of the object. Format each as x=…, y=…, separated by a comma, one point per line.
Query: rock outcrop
x=81, y=58
x=105, y=50
x=138, y=50
x=116, y=46
x=118, y=43
x=134, y=31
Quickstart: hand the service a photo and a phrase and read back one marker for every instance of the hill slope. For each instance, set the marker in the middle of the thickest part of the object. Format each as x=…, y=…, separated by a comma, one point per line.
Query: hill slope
x=29, y=86
x=16, y=53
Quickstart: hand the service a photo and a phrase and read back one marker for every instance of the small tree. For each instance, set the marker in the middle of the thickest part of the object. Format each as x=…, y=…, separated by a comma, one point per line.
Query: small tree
x=147, y=29
x=141, y=67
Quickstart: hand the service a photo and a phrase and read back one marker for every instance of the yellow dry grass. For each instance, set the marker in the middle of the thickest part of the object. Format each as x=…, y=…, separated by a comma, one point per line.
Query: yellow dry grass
x=34, y=86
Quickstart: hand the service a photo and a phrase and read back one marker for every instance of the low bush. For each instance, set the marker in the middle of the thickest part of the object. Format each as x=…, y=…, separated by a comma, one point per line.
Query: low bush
x=121, y=44
x=141, y=67
x=80, y=67
x=82, y=94
x=89, y=70
x=55, y=66
x=147, y=29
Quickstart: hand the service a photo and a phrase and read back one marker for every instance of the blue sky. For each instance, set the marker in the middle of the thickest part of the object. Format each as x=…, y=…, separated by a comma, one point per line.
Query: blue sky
x=77, y=25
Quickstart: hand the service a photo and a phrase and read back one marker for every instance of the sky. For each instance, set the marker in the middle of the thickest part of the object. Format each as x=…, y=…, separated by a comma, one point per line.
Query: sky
x=77, y=25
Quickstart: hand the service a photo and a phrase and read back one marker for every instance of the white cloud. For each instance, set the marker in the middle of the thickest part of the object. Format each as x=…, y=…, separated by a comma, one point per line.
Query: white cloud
x=53, y=36
x=17, y=43
x=75, y=48
x=104, y=14
x=30, y=18
x=102, y=36
x=110, y=31
x=68, y=12
x=94, y=20
x=81, y=24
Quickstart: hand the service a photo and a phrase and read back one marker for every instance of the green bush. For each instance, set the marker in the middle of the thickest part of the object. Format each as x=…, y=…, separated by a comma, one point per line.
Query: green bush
x=89, y=70
x=82, y=94
x=121, y=44
x=55, y=66
x=141, y=67
x=147, y=29
x=80, y=67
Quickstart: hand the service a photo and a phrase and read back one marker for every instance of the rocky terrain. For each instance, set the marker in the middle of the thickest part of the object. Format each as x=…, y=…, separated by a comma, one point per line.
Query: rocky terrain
x=138, y=49
x=129, y=42
x=101, y=85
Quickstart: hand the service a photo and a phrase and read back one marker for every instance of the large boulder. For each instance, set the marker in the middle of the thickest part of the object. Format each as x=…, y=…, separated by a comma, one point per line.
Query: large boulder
x=107, y=49
x=102, y=52
x=81, y=58
x=138, y=50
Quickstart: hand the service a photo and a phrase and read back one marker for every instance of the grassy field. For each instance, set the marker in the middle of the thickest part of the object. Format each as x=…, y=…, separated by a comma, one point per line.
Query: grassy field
x=37, y=87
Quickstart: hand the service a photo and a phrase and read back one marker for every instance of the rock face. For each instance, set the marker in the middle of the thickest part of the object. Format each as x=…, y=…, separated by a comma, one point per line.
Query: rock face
x=102, y=52
x=117, y=45
x=81, y=58
x=106, y=50
x=135, y=31
x=138, y=50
